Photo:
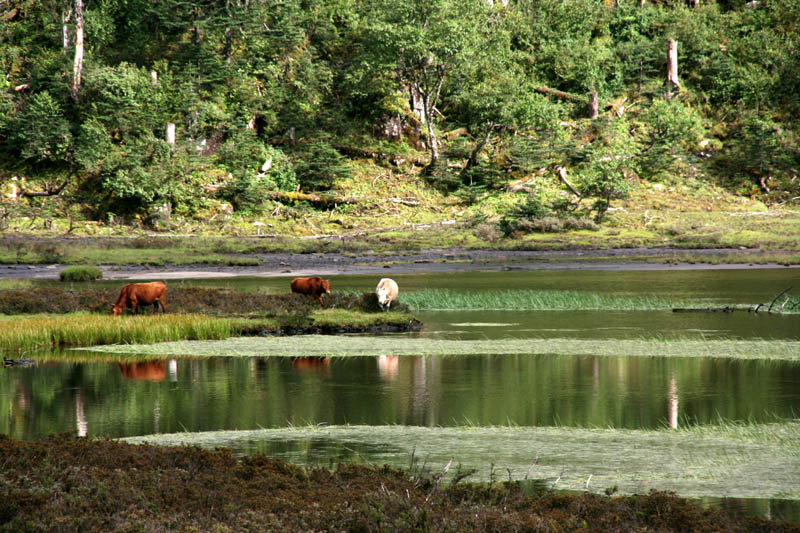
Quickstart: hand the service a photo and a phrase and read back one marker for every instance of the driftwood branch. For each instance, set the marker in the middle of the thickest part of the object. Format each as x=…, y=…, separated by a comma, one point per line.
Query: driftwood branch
x=700, y=310
x=776, y=298
x=769, y=310
x=562, y=173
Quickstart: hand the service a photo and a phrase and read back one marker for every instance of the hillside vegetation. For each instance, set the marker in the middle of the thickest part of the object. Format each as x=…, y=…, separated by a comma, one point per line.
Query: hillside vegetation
x=350, y=117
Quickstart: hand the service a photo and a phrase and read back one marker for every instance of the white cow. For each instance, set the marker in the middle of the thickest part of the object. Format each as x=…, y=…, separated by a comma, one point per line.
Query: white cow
x=386, y=291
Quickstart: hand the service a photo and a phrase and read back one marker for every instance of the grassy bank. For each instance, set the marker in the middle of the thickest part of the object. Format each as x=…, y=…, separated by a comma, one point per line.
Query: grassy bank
x=57, y=332
x=735, y=460
x=66, y=483
x=316, y=346
x=37, y=333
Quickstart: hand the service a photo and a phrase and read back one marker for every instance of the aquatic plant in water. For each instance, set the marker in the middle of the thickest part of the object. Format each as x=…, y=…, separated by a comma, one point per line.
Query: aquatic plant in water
x=738, y=460
x=356, y=346
x=531, y=300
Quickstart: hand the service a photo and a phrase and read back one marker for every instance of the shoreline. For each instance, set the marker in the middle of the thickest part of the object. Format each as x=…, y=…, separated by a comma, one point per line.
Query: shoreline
x=427, y=261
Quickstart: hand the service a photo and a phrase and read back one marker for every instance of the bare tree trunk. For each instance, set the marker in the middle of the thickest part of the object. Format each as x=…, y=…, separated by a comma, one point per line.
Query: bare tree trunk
x=473, y=157
x=65, y=28
x=415, y=103
x=228, y=33
x=593, y=105
x=431, y=134
x=78, y=63
x=672, y=67
x=170, y=133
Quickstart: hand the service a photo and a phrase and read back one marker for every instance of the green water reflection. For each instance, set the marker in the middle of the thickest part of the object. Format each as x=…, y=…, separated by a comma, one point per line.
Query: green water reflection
x=115, y=400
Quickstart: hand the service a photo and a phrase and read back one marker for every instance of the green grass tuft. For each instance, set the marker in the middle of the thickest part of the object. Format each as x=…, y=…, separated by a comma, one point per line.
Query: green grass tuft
x=80, y=273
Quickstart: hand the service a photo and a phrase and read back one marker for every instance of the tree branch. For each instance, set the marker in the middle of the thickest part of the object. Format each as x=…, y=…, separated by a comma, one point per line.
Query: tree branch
x=48, y=190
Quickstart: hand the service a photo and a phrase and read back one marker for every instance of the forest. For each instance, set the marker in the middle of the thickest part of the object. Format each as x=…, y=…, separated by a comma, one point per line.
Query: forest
x=156, y=110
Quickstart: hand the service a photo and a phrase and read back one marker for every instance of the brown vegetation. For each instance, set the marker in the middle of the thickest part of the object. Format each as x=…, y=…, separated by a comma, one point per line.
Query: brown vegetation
x=65, y=483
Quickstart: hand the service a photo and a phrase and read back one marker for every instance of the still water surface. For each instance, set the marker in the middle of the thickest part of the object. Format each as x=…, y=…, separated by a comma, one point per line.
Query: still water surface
x=107, y=399
x=119, y=400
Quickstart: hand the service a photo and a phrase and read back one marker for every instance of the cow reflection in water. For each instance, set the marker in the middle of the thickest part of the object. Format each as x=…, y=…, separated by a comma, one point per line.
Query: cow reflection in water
x=144, y=370
x=311, y=364
x=387, y=366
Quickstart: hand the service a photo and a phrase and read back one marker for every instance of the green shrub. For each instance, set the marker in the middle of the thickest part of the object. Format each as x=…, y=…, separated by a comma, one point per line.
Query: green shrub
x=320, y=165
x=80, y=273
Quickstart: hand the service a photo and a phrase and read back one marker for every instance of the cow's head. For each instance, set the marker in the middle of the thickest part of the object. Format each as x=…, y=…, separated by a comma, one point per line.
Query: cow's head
x=326, y=285
x=116, y=310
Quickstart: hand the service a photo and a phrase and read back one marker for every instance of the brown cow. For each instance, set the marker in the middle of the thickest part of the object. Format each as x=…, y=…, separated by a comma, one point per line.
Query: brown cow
x=312, y=364
x=132, y=295
x=314, y=287
x=145, y=370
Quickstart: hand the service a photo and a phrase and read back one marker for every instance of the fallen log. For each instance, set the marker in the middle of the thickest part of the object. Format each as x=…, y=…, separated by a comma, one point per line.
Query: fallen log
x=316, y=199
x=559, y=94
x=698, y=310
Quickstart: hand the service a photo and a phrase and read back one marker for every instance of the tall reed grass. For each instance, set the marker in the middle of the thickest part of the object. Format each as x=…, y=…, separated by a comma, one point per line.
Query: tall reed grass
x=42, y=333
x=531, y=300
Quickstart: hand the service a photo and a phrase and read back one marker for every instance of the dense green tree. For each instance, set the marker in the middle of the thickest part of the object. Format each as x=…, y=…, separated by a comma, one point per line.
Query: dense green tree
x=425, y=42
x=607, y=163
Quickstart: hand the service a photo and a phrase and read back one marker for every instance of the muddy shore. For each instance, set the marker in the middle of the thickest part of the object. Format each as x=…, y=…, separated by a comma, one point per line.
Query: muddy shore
x=428, y=261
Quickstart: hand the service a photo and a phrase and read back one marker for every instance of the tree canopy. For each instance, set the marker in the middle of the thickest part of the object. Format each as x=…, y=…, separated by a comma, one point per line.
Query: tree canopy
x=263, y=95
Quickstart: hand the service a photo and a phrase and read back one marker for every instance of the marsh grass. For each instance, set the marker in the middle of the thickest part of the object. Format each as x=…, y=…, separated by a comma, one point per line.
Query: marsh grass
x=531, y=300
x=16, y=284
x=735, y=460
x=44, y=333
x=359, y=346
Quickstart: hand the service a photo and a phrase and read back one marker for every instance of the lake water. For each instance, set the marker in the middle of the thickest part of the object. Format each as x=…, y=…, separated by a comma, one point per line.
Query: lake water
x=177, y=395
